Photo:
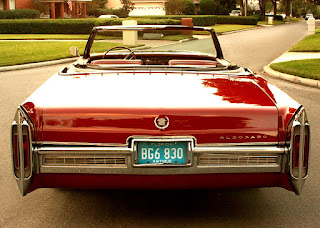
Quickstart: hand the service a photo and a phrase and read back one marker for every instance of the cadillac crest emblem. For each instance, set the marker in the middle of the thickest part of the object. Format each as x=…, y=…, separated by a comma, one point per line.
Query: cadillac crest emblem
x=161, y=122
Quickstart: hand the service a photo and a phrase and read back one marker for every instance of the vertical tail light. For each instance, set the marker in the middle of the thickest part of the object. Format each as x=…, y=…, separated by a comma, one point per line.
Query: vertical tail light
x=296, y=151
x=21, y=156
x=299, y=152
x=299, y=132
x=26, y=151
x=22, y=153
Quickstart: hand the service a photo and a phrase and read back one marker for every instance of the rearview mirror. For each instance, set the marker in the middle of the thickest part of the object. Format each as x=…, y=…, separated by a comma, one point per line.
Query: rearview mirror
x=74, y=51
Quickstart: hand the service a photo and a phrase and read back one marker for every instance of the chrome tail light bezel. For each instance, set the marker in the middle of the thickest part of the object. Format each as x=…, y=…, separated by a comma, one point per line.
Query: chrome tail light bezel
x=22, y=150
x=299, y=126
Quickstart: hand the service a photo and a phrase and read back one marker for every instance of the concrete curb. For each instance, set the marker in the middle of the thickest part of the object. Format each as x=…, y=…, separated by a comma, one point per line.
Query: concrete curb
x=39, y=64
x=292, y=78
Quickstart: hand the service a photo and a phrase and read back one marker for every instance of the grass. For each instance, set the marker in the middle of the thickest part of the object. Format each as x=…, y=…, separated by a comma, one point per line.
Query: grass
x=225, y=28
x=218, y=29
x=43, y=36
x=308, y=44
x=73, y=37
x=175, y=37
x=277, y=22
x=308, y=68
x=21, y=52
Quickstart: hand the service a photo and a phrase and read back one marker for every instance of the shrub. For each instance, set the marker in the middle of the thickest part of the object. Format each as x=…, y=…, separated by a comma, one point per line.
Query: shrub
x=198, y=20
x=237, y=20
x=190, y=8
x=67, y=26
x=175, y=7
x=208, y=20
x=208, y=7
x=19, y=14
x=278, y=17
x=97, y=12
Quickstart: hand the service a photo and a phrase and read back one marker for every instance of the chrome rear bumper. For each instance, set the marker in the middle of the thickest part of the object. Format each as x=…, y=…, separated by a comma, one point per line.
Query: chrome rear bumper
x=120, y=160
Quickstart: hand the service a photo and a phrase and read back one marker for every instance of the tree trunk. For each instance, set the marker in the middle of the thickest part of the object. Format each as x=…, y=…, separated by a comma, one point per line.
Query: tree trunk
x=287, y=4
x=262, y=4
x=241, y=7
x=274, y=7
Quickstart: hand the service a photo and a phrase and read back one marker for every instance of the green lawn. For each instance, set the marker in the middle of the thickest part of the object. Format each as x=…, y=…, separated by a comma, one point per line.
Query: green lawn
x=225, y=28
x=73, y=37
x=277, y=22
x=218, y=29
x=20, y=52
x=308, y=44
x=308, y=68
x=43, y=36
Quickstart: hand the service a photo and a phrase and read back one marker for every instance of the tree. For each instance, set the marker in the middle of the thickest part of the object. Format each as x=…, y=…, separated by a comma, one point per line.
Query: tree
x=190, y=8
x=262, y=4
x=287, y=8
x=208, y=7
x=274, y=2
x=175, y=7
x=224, y=7
x=96, y=4
x=127, y=6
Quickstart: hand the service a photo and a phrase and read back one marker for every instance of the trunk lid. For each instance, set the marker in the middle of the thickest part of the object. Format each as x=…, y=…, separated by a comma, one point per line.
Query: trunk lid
x=110, y=108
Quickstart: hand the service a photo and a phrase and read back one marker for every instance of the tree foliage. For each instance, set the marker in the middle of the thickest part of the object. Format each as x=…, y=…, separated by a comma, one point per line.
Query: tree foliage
x=208, y=7
x=218, y=7
x=127, y=6
x=190, y=8
x=175, y=7
x=96, y=4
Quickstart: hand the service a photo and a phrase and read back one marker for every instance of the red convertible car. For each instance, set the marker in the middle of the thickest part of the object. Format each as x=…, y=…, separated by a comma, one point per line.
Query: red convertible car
x=141, y=111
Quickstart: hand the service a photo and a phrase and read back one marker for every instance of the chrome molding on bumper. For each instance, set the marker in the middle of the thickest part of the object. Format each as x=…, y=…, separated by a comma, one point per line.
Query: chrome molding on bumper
x=106, y=160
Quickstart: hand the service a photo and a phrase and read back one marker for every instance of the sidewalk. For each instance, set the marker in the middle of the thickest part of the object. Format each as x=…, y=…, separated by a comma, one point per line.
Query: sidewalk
x=290, y=56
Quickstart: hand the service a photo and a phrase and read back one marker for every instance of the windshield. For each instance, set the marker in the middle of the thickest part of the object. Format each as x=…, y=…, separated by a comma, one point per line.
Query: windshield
x=153, y=40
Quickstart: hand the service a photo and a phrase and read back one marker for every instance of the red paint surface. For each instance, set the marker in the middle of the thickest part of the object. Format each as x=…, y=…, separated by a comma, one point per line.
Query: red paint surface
x=206, y=181
x=218, y=109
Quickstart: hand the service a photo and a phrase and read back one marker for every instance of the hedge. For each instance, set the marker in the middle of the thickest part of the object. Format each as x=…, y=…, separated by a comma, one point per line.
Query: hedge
x=208, y=20
x=276, y=17
x=198, y=20
x=237, y=20
x=67, y=26
x=19, y=14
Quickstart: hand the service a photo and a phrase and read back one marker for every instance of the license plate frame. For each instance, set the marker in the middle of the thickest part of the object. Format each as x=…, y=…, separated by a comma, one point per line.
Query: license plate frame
x=188, y=142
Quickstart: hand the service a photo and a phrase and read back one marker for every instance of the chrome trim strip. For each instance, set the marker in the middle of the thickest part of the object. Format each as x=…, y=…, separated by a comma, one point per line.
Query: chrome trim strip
x=245, y=149
x=50, y=143
x=83, y=150
x=160, y=171
x=241, y=144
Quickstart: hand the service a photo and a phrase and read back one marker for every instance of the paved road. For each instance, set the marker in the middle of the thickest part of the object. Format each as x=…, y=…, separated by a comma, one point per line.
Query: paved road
x=273, y=207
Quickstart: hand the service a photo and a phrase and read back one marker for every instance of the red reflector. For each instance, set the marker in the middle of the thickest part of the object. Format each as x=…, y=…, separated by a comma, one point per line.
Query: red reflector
x=16, y=152
x=306, y=152
x=26, y=151
x=296, y=151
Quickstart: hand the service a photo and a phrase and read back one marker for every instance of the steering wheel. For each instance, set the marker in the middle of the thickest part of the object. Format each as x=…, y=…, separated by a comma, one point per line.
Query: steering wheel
x=128, y=56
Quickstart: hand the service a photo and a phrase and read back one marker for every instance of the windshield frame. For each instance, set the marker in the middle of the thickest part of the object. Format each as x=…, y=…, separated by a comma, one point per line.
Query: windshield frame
x=95, y=30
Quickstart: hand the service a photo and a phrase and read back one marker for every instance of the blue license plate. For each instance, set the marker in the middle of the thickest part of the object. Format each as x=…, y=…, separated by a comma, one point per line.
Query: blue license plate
x=172, y=153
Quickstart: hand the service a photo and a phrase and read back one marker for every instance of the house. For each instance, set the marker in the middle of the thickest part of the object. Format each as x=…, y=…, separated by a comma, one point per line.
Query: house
x=57, y=8
x=144, y=7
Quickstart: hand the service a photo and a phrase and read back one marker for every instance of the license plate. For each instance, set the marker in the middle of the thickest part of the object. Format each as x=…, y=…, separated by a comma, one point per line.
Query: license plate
x=171, y=153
